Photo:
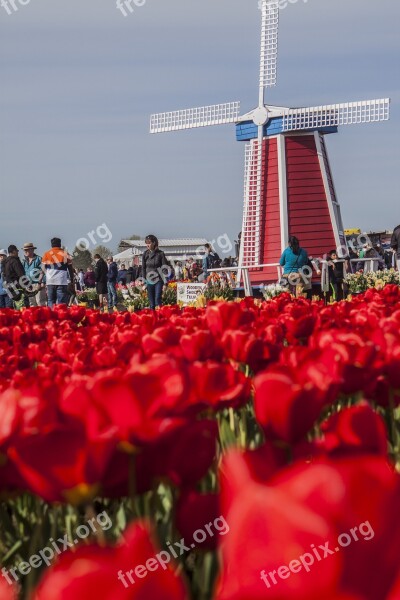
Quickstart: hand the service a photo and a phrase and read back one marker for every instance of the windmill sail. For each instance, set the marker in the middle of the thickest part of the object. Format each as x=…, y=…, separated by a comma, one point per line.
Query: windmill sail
x=269, y=43
x=216, y=114
x=347, y=113
x=251, y=234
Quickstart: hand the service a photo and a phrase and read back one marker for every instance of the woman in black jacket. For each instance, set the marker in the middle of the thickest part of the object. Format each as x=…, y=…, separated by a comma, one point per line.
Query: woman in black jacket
x=155, y=270
x=100, y=275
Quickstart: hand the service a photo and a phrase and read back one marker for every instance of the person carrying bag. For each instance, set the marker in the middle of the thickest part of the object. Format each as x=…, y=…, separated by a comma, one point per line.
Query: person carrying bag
x=293, y=260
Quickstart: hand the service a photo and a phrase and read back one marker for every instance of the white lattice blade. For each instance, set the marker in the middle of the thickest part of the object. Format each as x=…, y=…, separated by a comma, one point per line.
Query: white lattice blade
x=269, y=42
x=251, y=226
x=347, y=113
x=217, y=114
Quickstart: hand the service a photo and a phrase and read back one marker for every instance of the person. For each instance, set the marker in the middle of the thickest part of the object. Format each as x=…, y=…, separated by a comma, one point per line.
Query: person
x=112, y=277
x=137, y=272
x=211, y=260
x=154, y=267
x=81, y=279
x=59, y=274
x=389, y=257
x=5, y=300
x=187, y=272
x=178, y=270
x=293, y=260
x=360, y=266
x=73, y=285
x=14, y=279
x=189, y=268
x=237, y=245
x=352, y=257
x=368, y=251
x=122, y=275
x=336, y=273
x=381, y=255
x=101, y=279
x=89, y=278
x=32, y=264
x=395, y=245
x=170, y=276
x=195, y=270
x=130, y=274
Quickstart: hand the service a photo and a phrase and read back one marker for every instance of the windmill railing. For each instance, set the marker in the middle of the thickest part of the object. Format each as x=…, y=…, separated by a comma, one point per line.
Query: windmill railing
x=248, y=288
x=370, y=264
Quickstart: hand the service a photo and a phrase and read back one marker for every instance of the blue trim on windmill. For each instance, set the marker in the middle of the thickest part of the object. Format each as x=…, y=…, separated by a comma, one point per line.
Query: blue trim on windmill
x=247, y=130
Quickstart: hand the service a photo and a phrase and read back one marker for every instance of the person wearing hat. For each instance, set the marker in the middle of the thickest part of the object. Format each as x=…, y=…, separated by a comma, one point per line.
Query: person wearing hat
x=32, y=264
x=58, y=268
x=13, y=274
x=5, y=300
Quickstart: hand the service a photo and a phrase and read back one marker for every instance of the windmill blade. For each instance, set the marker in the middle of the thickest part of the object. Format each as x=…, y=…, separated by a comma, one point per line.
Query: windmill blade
x=216, y=114
x=347, y=113
x=259, y=190
x=249, y=254
x=269, y=44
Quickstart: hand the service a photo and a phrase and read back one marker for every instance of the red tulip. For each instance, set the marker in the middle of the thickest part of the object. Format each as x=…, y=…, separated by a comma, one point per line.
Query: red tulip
x=199, y=345
x=60, y=464
x=216, y=385
x=247, y=349
x=172, y=456
x=227, y=315
x=269, y=529
x=349, y=504
x=7, y=590
x=198, y=513
x=286, y=407
x=355, y=429
x=135, y=570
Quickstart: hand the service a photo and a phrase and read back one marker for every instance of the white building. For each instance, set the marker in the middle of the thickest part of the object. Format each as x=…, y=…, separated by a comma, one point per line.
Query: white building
x=175, y=250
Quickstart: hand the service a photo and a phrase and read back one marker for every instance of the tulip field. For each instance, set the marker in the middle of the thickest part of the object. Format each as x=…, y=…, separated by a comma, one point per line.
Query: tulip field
x=247, y=450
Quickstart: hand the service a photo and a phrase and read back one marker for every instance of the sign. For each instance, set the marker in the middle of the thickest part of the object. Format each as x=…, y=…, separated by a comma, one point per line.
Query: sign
x=187, y=293
x=352, y=232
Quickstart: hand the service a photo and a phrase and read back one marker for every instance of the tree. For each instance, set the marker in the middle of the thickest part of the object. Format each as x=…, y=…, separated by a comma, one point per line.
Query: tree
x=103, y=251
x=81, y=259
x=123, y=246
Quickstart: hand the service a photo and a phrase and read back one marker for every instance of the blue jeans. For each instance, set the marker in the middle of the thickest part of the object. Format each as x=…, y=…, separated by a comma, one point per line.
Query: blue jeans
x=154, y=293
x=112, y=293
x=5, y=301
x=57, y=294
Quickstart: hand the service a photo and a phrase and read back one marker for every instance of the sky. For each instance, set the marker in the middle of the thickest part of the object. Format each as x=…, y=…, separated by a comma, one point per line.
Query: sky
x=79, y=81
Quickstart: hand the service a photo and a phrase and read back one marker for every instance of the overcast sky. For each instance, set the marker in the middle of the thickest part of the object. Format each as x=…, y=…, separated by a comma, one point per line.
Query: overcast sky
x=79, y=82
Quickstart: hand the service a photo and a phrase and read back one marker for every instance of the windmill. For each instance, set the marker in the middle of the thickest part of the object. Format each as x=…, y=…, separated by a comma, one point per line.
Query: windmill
x=288, y=187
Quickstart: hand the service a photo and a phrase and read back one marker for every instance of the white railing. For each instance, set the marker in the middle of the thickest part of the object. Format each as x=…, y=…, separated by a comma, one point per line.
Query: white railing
x=248, y=289
x=369, y=266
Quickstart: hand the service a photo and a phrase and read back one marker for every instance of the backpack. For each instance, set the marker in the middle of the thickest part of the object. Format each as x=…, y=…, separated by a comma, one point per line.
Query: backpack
x=214, y=261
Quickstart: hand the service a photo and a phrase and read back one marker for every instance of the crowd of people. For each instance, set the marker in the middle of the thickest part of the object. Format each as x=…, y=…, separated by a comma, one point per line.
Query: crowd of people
x=52, y=278
x=299, y=267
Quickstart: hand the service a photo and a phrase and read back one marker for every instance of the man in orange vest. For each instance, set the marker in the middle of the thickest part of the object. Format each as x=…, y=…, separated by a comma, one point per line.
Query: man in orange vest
x=57, y=265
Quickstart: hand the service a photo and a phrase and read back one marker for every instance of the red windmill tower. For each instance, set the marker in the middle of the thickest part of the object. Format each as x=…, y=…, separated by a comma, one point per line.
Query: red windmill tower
x=289, y=188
